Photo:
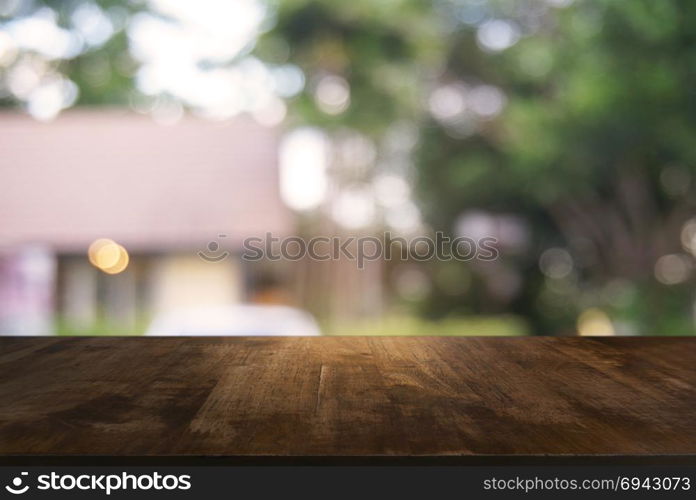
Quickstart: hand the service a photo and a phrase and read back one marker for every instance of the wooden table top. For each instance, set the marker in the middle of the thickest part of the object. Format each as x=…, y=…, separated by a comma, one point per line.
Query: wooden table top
x=347, y=396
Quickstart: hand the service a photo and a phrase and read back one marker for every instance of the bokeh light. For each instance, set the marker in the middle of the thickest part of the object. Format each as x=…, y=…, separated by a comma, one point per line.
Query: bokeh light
x=556, y=263
x=303, y=164
x=108, y=256
x=594, y=321
x=672, y=269
x=332, y=95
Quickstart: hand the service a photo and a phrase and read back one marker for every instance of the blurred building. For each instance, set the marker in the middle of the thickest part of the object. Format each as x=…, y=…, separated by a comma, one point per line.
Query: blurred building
x=176, y=198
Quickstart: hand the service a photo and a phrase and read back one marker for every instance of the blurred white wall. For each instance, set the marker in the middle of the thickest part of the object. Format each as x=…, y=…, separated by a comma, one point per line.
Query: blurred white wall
x=185, y=281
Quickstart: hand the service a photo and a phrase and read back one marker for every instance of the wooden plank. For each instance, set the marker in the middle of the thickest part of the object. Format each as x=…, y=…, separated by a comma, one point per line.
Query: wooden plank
x=351, y=396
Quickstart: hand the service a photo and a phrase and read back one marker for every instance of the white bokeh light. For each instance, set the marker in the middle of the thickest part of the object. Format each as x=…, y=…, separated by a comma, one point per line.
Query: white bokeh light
x=303, y=159
x=688, y=236
x=448, y=102
x=556, y=263
x=46, y=101
x=180, y=55
x=486, y=101
x=332, y=95
x=207, y=29
x=41, y=34
x=673, y=269
x=354, y=207
x=8, y=49
x=391, y=190
x=25, y=76
x=93, y=24
x=288, y=80
x=496, y=35
x=404, y=218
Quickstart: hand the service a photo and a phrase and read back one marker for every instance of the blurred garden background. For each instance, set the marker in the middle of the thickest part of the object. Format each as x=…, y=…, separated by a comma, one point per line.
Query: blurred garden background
x=151, y=130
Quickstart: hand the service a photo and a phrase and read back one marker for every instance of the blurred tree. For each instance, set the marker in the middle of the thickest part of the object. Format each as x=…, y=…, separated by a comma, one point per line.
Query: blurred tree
x=71, y=53
x=379, y=50
x=593, y=149
x=574, y=118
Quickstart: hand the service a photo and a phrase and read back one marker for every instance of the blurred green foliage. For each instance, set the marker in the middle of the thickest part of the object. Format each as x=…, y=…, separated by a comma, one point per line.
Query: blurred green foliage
x=102, y=327
x=593, y=149
x=104, y=73
x=409, y=325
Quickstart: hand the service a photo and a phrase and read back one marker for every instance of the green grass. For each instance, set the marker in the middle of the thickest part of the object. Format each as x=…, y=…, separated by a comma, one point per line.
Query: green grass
x=101, y=328
x=392, y=325
x=411, y=326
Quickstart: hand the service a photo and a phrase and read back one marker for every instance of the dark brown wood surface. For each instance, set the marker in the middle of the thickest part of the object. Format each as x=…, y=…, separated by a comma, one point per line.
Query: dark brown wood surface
x=350, y=396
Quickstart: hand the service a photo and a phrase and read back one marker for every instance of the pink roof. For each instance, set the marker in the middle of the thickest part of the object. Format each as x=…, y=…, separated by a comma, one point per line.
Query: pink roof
x=92, y=174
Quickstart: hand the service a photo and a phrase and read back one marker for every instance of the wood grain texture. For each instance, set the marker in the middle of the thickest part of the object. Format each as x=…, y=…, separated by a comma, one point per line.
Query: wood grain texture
x=350, y=396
